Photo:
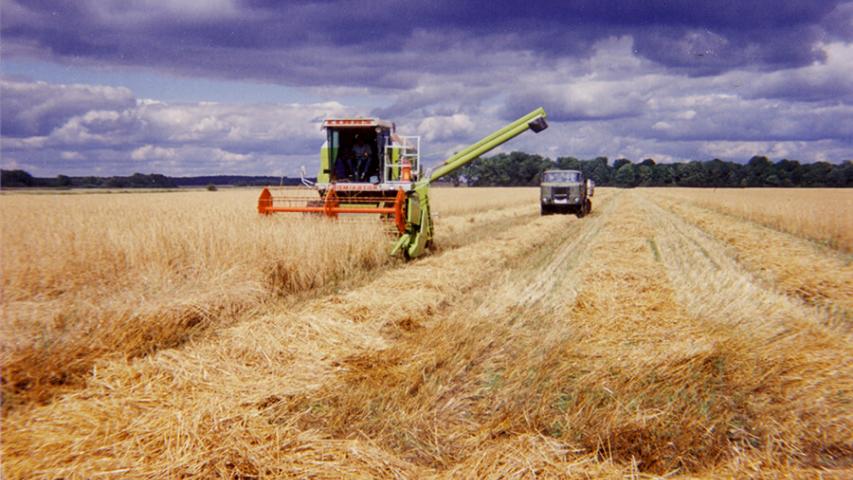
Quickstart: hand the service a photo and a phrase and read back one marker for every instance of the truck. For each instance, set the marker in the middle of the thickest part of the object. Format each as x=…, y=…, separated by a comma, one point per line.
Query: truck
x=565, y=191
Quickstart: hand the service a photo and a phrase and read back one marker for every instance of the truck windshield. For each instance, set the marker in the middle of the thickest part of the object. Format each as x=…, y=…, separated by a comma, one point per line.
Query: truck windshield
x=561, y=177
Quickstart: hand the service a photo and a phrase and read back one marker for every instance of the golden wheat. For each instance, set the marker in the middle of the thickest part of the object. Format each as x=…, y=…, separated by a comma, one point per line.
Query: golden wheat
x=87, y=276
x=633, y=342
x=449, y=201
x=818, y=276
x=821, y=214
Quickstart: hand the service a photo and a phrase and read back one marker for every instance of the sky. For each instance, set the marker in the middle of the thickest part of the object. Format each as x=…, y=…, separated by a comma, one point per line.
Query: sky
x=192, y=87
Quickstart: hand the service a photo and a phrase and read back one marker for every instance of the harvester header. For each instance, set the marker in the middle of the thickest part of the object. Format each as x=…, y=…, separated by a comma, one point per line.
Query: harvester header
x=366, y=168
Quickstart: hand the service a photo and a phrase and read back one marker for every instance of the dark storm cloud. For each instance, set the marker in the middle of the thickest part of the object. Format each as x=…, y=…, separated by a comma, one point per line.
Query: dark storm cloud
x=389, y=44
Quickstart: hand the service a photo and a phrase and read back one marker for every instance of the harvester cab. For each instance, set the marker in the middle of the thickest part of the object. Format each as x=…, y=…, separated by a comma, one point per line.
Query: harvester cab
x=366, y=168
x=367, y=151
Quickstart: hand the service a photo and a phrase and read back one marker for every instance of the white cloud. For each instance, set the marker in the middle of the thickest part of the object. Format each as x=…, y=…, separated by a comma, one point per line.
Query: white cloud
x=71, y=156
x=613, y=103
x=447, y=127
x=151, y=152
x=36, y=108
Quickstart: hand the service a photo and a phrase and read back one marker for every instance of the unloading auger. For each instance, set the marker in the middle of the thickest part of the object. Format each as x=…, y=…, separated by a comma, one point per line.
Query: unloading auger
x=367, y=169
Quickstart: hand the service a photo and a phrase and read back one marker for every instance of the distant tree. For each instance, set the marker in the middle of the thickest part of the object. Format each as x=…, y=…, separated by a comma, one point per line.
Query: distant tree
x=16, y=178
x=715, y=172
x=624, y=176
x=662, y=174
x=63, y=180
x=847, y=168
x=568, y=163
x=116, y=182
x=735, y=176
x=772, y=180
x=816, y=174
x=454, y=178
x=789, y=171
x=690, y=174
x=841, y=175
x=645, y=175
x=599, y=171
x=758, y=168
x=619, y=163
x=90, y=181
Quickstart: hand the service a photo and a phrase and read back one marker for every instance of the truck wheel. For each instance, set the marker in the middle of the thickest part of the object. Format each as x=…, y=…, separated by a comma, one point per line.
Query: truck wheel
x=584, y=208
x=543, y=210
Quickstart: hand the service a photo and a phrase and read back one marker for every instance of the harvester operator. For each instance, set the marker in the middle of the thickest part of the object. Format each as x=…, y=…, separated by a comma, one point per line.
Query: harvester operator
x=361, y=152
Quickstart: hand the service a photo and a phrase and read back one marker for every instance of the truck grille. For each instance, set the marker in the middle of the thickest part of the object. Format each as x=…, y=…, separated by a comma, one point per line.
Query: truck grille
x=565, y=192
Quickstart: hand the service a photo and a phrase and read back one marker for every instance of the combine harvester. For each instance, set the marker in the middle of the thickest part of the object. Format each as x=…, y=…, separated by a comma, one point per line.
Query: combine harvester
x=367, y=169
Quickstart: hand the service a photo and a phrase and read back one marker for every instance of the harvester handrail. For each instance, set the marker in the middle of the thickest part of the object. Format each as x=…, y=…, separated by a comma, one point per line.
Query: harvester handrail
x=305, y=181
x=487, y=143
x=410, y=151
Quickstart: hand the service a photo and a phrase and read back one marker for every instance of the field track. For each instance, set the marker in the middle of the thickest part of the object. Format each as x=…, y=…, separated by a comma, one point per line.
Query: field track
x=653, y=336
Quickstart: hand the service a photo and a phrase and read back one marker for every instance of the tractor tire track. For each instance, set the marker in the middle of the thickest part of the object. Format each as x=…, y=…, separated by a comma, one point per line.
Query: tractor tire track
x=640, y=376
x=440, y=363
x=31, y=376
x=815, y=275
x=797, y=358
x=291, y=350
x=553, y=276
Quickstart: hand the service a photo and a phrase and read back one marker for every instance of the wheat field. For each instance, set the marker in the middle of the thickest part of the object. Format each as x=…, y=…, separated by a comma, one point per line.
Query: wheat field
x=672, y=332
x=821, y=214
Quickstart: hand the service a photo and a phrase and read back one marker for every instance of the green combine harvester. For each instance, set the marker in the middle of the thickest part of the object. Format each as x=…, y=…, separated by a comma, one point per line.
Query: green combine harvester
x=366, y=168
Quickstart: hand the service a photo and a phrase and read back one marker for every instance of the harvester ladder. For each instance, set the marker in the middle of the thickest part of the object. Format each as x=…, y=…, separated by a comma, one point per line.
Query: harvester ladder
x=410, y=151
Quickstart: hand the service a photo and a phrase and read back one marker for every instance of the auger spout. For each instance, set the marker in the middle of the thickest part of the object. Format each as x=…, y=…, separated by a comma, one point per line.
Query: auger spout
x=534, y=120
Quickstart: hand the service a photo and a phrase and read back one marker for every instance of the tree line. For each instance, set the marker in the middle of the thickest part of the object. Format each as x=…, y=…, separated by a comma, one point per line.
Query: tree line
x=23, y=179
x=522, y=169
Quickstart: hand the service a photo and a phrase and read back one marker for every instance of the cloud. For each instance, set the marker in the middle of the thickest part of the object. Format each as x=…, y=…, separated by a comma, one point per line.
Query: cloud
x=822, y=81
x=152, y=152
x=36, y=108
x=391, y=45
x=719, y=83
x=446, y=128
x=582, y=100
x=119, y=131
